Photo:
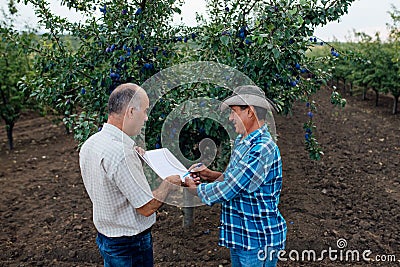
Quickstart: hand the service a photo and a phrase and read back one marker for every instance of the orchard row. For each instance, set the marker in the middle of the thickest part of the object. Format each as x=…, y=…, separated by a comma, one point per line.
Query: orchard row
x=373, y=65
x=369, y=64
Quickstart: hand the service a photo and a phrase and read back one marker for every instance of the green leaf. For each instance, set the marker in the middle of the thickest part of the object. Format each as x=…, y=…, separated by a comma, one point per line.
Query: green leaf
x=276, y=53
x=225, y=40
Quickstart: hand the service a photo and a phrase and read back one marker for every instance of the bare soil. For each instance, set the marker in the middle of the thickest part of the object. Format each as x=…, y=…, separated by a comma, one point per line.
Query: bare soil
x=352, y=193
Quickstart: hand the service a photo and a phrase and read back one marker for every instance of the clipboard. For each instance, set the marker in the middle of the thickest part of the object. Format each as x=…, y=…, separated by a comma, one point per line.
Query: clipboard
x=164, y=163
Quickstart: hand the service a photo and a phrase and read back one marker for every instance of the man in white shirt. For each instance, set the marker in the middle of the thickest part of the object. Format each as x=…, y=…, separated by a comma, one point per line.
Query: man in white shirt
x=123, y=204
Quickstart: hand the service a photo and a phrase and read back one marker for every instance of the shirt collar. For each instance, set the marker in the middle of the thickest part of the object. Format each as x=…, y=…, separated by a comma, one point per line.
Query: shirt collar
x=254, y=135
x=117, y=134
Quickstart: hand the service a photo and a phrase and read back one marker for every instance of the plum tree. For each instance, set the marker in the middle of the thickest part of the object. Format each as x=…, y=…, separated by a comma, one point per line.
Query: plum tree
x=15, y=65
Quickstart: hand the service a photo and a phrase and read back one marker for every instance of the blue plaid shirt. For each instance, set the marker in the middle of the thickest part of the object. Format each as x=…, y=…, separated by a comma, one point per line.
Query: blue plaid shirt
x=250, y=194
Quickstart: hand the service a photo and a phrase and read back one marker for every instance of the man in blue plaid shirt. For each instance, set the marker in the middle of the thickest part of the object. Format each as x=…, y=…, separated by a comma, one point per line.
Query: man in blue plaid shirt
x=251, y=225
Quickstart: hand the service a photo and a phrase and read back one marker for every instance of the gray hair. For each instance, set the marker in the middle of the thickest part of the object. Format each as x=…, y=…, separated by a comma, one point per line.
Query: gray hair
x=124, y=95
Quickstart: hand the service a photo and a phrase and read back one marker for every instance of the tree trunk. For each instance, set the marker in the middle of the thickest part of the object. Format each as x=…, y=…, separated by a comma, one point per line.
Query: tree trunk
x=344, y=85
x=188, y=210
x=351, y=88
x=67, y=129
x=376, y=97
x=395, y=104
x=9, y=128
x=364, y=94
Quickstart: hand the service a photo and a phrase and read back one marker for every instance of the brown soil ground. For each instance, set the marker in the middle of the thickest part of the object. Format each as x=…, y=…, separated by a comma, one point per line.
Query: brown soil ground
x=352, y=193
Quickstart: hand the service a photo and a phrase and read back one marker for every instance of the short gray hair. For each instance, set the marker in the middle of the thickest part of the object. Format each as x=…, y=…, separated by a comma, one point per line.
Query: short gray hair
x=123, y=95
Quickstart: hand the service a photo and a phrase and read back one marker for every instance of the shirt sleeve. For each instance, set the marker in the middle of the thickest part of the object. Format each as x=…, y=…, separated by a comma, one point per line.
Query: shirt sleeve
x=131, y=181
x=247, y=175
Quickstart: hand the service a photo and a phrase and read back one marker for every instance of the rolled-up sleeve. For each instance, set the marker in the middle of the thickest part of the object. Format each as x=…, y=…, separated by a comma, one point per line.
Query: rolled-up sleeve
x=247, y=174
x=131, y=181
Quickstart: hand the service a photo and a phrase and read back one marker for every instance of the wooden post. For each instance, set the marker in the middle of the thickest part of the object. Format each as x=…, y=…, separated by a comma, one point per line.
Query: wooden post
x=188, y=210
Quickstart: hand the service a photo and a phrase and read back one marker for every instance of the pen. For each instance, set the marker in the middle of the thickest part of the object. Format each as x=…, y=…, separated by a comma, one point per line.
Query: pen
x=186, y=174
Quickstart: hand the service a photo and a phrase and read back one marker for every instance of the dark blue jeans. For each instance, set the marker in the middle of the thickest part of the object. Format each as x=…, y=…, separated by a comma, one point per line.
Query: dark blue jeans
x=126, y=251
x=260, y=257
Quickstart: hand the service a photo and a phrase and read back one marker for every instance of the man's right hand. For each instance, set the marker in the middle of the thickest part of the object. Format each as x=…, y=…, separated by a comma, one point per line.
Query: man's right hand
x=169, y=184
x=202, y=173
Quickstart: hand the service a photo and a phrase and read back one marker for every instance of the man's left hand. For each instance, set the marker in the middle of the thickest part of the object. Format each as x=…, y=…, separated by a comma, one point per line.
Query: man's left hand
x=140, y=150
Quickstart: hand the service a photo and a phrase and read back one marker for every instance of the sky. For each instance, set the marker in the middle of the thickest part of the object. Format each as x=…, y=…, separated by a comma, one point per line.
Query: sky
x=367, y=16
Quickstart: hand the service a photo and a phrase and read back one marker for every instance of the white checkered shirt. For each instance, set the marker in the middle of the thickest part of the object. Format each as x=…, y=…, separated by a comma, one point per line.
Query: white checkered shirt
x=113, y=176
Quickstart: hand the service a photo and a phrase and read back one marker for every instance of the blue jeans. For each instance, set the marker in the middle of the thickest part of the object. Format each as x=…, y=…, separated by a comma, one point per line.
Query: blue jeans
x=254, y=257
x=126, y=251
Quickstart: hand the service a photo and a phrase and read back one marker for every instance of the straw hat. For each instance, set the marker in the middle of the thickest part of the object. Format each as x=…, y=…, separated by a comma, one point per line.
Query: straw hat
x=247, y=95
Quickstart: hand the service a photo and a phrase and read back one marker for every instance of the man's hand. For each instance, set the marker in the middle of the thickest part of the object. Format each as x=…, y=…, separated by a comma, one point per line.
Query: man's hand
x=190, y=183
x=140, y=150
x=203, y=173
x=169, y=184
x=198, y=167
x=174, y=180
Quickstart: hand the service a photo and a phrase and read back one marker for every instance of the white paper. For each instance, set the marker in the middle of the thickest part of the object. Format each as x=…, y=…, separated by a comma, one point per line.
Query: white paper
x=164, y=163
